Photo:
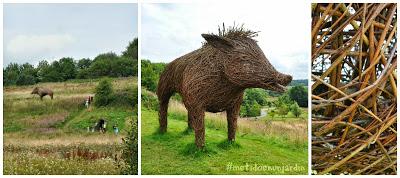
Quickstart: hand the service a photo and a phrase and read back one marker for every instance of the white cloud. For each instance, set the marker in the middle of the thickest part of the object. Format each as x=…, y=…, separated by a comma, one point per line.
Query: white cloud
x=172, y=30
x=21, y=46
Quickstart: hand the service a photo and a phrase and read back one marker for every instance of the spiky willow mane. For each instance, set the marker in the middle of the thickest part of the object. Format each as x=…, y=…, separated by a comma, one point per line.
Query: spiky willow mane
x=235, y=32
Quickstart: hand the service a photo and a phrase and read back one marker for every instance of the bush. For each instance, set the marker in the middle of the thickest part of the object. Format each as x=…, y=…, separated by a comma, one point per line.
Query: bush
x=295, y=109
x=283, y=110
x=272, y=113
x=250, y=110
x=125, y=97
x=150, y=102
x=254, y=110
x=253, y=100
x=104, y=92
x=130, y=150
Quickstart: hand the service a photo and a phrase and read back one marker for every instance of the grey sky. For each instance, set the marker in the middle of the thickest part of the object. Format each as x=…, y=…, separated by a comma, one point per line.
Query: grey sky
x=34, y=32
x=172, y=30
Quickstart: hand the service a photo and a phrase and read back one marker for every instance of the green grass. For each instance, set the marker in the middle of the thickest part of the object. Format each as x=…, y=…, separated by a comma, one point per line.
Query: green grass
x=175, y=153
x=113, y=115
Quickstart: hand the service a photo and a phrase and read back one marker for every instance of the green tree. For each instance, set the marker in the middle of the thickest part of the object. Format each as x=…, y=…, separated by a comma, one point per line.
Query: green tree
x=29, y=69
x=83, y=74
x=102, y=65
x=123, y=67
x=24, y=79
x=272, y=113
x=24, y=74
x=254, y=110
x=131, y=53
x=151, y=73
x=83, y=63
x=67, y=68
x=42, y=70
x=11, y=73
x=258, y=95
x=299, y=94
x=104, y=92
x=50, y=73
x=295, y=109
x=83, y=66
x=283, y=100
x=283, y=110
x=132, y=50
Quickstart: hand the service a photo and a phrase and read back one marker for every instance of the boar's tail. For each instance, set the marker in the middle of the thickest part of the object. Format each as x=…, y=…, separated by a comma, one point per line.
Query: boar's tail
x=164, y=93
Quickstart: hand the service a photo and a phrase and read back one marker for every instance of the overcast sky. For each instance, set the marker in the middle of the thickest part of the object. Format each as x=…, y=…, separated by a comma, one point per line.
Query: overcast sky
x=172, y=30
x=34, y=32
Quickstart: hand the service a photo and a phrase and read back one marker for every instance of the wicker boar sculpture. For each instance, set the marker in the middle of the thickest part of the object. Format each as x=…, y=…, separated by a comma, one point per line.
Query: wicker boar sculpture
x=214, y=77
x=42, y=92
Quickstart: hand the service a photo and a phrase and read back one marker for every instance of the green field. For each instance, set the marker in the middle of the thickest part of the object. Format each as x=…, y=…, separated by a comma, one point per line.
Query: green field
x=51, y=137
x=262, y=146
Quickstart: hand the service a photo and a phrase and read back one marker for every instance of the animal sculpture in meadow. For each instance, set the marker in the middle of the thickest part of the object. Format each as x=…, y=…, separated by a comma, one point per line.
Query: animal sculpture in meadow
x=213, y=79
x=42, y=92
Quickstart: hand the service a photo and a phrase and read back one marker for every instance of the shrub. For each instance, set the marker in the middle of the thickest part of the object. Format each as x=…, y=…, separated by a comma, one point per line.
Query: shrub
x=150, y=102
x=130, y=150
x=104, y=92
x=125, y=97
x=254, y=110
x=272, y=113
x=295, y=109
x=250, y=109
x=283, y=110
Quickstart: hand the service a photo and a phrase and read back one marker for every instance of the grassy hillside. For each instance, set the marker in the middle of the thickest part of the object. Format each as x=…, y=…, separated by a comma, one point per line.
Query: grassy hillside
x=261, y=147
x=50, y=136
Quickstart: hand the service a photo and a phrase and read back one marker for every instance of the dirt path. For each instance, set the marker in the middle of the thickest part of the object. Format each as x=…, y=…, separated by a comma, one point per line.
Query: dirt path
x=263, y=113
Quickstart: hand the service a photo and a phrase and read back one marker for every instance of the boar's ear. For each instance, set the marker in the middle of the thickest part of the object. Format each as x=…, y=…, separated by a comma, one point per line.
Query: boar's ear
x=218, y=42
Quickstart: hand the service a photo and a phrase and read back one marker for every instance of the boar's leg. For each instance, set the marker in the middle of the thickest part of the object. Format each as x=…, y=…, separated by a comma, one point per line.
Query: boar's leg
x=197, y=117
x=51, y=96
x=163, y=112
x=232, y=115
x=190, y=125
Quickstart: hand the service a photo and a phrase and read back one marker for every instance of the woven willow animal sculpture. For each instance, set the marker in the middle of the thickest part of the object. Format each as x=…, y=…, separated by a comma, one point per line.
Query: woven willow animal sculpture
x=214, y=77
x=42, y=92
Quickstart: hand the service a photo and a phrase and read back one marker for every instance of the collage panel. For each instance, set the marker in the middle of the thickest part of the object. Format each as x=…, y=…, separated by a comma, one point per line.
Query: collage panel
x=354, y=88
x=70, y=89
x=171, y=87
x=224, y=90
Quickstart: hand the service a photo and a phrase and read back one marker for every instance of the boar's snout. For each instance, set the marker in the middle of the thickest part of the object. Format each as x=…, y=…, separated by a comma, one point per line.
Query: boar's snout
x=285, y=79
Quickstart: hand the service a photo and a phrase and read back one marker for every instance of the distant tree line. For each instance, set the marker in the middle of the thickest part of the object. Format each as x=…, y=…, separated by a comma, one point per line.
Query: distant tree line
x=104, y=65
x=302, y=82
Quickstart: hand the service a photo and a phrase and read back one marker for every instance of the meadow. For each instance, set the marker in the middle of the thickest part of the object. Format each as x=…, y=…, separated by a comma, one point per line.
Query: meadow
x=51, y=137
x=263, y=146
